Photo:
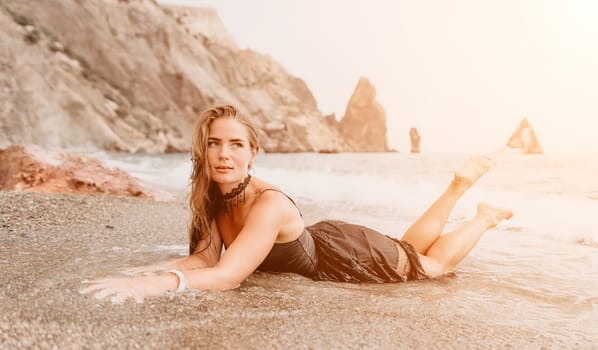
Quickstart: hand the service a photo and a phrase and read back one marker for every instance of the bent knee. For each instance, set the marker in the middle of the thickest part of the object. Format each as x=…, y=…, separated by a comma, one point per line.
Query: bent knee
x=433, y=267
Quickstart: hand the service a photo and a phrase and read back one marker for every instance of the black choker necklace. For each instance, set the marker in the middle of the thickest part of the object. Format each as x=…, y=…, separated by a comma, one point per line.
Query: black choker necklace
x=236, y=196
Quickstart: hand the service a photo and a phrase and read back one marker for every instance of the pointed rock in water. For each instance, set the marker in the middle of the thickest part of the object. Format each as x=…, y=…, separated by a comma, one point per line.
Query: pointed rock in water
x=364, y=124
x=524, y=138
x=415, y=140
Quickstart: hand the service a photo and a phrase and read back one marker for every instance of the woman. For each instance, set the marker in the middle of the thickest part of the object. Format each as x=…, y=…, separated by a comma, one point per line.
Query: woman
x=262, y=229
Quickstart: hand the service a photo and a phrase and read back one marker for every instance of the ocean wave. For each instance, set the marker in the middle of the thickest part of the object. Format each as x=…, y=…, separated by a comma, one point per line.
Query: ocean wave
x=387, y=188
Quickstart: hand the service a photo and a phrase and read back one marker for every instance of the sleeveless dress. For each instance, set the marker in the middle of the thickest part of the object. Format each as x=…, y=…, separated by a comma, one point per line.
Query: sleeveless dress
x=334, y=250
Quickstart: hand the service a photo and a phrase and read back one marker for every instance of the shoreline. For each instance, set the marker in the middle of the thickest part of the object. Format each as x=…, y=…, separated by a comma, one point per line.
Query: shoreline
x=51, y=242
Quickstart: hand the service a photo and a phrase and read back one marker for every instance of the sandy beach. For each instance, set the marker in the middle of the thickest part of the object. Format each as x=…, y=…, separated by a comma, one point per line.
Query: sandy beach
x=50, y=243
x=366, y=124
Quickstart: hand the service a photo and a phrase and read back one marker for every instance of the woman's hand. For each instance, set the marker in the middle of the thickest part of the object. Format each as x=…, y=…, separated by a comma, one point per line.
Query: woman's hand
x=120, y=289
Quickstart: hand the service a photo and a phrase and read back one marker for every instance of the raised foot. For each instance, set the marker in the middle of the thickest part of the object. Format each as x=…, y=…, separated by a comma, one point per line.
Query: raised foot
x=471, y=171
x=494, y=215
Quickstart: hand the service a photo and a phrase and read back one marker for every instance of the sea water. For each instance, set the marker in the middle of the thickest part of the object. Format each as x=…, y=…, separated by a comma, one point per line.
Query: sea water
x=540, y=267
x=553, y=196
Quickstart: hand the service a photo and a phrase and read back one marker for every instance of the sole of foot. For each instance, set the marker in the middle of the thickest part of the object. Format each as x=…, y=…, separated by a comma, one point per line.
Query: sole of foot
x=496, y=215
x=472, y=170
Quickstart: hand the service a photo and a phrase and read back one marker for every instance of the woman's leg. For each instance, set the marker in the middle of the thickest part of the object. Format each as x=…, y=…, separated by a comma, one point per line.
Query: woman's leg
x=449, y=249
x=429, y=226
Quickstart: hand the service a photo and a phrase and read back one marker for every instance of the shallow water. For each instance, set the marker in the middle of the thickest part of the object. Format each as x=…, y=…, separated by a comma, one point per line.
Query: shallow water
x=536, y=270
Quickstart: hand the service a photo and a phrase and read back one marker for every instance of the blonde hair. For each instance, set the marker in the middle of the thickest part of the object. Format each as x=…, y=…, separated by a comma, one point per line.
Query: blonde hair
x=205, y=198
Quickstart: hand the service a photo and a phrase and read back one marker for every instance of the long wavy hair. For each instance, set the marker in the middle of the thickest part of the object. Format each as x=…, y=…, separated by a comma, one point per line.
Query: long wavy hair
x=205, y=197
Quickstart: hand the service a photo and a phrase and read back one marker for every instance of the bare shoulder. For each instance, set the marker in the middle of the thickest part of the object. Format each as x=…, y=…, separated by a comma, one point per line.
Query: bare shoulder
x=272, y=198
x=272, y=207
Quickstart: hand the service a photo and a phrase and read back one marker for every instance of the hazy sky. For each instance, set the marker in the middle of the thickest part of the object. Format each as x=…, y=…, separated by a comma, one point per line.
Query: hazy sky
x=463, y=72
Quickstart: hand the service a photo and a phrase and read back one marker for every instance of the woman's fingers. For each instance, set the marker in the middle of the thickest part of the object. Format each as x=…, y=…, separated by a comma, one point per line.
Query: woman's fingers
x=120, y=297
x=106, y=292
x=125, y=295
x=92, y=287
x=117, y=294
x=119, y=289
x=103, y=287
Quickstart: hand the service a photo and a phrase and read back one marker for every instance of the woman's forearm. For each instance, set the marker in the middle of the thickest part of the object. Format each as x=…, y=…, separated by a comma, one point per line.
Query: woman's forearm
x=210, y=278
x=190, y=262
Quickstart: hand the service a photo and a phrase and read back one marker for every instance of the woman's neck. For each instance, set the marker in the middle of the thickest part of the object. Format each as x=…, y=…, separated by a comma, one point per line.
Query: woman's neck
x=236, y=196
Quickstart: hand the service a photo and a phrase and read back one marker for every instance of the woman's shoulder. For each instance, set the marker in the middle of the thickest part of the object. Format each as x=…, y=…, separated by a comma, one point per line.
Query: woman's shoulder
x=261, y=187
x=272, y=193
x=267, y=192
x=273, y=204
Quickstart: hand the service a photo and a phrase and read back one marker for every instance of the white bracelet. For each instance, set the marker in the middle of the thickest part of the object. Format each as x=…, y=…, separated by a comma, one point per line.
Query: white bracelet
x=182, y=282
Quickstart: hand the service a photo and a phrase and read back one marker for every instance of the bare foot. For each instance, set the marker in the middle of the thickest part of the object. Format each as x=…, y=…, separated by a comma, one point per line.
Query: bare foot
x=492, y=214
x=471, y=171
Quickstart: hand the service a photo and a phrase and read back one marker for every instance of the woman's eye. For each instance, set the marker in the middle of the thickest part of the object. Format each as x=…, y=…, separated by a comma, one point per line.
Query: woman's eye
x=212, y=144
x=237, y=145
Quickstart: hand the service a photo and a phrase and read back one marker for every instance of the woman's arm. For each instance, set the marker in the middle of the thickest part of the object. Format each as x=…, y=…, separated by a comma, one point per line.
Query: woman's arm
x=250, y=247
x=240, y=259
x=206, y=254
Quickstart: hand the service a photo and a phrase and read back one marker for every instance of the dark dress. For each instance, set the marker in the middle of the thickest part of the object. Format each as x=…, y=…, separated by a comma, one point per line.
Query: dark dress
x=339, y=251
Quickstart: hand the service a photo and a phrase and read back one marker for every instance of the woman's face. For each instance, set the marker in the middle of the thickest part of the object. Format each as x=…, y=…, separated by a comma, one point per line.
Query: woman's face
x=229, y=151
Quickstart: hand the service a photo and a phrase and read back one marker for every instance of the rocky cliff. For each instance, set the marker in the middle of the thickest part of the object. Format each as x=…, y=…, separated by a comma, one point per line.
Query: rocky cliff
x=131, y=75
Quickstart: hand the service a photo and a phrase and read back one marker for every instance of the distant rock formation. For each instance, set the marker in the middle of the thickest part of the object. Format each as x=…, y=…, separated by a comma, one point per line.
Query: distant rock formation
x=31, y=168
x=415, y=140
x=133, y=76
x=524, y=138
x=364, y=124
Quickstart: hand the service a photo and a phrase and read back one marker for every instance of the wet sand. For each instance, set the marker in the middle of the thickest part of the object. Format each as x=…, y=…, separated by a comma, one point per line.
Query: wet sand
x=50, y=243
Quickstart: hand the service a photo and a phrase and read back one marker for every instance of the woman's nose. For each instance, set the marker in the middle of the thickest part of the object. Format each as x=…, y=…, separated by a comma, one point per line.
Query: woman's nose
x=224, y=152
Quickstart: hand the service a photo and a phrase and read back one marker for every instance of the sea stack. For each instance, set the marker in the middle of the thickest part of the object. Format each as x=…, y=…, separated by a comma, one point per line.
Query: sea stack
x=524, y=138
x=364, y=124
x=415, y=139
